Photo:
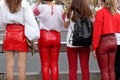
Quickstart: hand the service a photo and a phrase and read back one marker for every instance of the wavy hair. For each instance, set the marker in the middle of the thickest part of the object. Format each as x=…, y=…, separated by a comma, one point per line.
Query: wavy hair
x=111, y=5
x=13, y=5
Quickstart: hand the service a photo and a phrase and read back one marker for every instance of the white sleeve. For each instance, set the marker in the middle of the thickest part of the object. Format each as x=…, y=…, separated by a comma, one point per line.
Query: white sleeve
x=2, y=25
x=31, y=26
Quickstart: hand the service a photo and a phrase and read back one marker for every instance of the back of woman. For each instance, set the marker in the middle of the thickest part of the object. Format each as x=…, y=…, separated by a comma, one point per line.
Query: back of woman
x=15, y=17
x=107, y=23
x=51, y=21
x=77, y=8
x=51, y=16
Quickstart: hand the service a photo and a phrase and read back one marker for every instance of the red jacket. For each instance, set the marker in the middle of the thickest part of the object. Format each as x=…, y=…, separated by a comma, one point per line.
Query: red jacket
x=105, y=23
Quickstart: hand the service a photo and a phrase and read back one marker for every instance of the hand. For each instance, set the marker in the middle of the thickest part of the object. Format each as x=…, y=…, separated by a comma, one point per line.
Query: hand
x=94, y=54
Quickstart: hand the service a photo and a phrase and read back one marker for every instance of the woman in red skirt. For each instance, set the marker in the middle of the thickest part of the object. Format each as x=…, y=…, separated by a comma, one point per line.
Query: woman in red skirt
x=15, y=15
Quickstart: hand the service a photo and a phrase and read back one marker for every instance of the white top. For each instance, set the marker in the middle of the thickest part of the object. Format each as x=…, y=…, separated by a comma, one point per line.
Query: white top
x=49, y=21
x=117, y=38
x=6, y=17
x=25, y=16
x=118, y=35
x=33, y=6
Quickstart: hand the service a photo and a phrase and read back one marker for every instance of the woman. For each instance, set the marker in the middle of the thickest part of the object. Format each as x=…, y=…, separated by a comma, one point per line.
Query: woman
x=51, y=21
x=117, y=57
x=73, y=52
x=107, y=23
x=15, y=16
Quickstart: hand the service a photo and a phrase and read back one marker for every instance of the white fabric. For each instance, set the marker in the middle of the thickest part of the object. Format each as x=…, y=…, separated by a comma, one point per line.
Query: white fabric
x=25, y=17
x=48, y=21
x=118, y=38
x=70, y=33
x=118, y=35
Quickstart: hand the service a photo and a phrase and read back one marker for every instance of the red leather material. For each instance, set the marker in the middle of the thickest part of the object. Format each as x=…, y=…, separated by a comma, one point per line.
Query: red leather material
x=14, y=38
x=49, y=48
x=106, y=56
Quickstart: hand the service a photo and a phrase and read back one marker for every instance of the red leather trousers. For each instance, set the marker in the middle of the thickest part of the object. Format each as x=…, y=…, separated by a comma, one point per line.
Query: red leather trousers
x=83, y=53
x=106, y=56
x=49, y=48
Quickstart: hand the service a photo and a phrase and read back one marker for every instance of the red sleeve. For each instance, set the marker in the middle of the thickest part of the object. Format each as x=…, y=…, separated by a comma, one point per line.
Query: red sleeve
x=36, y=11
x=97, y=30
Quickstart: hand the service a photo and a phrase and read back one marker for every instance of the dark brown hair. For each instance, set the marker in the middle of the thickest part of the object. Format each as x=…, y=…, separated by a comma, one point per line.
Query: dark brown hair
x=81, y=7
x=13, y=5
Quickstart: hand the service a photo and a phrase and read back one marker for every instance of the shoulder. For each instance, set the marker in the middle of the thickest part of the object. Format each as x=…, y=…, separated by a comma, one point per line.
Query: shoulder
x=59, y=7
x=101, y=12
x=2, y=2
x=104, y=10
x=43, y=6
x=25, y=3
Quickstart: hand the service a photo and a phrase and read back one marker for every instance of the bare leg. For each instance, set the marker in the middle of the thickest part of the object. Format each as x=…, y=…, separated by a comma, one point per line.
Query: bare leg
x=22, y=65
x=10, y=64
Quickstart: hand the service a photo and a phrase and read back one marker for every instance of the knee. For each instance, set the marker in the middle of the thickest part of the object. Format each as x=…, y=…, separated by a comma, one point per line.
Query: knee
x=21, y=67
x=10, y=66
x=45, y=67
x=105, y=74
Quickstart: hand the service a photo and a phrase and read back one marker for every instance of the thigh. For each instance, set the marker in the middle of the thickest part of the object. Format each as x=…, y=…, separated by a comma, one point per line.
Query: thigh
x=44, y=55
x=54, y=55
x=10, y=58
x=107, y=45
x=84, y=56
x=22, y=56
x=72, y=54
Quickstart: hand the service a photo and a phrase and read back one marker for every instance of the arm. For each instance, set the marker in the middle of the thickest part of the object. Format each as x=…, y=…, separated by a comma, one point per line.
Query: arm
x=30, y=24
x=67, y=22
x=2, y=25
x=97, y=30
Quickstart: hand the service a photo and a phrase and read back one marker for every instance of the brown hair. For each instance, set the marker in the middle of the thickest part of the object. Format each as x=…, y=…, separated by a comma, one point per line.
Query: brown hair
x=13, y=5
x=81, y=7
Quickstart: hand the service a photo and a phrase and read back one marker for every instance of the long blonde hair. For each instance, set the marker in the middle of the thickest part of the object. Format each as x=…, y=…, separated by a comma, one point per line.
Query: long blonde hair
x=13, y=5
x=111, y=5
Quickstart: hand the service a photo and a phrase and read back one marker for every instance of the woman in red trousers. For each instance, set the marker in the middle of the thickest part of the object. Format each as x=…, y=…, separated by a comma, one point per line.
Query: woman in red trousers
x=107, y=23
x=74, y=52
x=51, y=21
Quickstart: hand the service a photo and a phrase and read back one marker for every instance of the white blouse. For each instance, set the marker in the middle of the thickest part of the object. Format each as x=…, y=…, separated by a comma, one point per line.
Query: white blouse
x=6, y=17
x=51, y=17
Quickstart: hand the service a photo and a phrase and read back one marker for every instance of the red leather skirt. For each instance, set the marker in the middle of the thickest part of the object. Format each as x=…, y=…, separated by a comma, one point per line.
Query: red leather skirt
x=14, y=38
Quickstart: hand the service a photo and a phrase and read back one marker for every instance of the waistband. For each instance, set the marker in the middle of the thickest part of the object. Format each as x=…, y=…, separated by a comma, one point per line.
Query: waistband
x=14, y=24
x=49, y=30
x=111, y=35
